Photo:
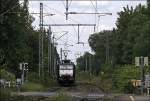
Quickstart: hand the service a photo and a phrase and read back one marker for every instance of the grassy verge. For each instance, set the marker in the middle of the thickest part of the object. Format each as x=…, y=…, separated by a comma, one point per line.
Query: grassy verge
x=60, y=97
x=114, y=79
x=31, y=86
x=4, y=94
x=101, y=82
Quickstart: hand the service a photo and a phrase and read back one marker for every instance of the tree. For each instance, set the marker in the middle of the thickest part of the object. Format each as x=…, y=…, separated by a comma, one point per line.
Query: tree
x=19, y=40
x=131, y=38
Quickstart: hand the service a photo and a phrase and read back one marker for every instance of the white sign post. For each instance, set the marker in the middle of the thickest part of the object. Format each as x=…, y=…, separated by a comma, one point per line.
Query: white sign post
x=137, y=61
x=148, y=91
x=23, y=68
x=145, y=61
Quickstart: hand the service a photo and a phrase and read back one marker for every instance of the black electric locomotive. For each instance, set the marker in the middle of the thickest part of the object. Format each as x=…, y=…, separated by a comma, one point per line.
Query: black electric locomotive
x=66, y=72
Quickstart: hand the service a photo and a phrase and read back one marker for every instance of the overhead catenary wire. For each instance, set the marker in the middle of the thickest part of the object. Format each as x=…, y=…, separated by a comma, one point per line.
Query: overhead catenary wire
x=70, y=4
x=93, y=5
x=54, y=21
x=65, y=5
x=69, y=18
x=57, y=11
x=58, y=26
x=62, y=14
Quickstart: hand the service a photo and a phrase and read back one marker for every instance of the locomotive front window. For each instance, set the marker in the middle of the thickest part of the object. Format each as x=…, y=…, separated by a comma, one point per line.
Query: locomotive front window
x=66, y=67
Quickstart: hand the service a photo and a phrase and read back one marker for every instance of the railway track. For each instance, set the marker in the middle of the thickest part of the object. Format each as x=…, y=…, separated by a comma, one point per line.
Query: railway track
x=78, y=87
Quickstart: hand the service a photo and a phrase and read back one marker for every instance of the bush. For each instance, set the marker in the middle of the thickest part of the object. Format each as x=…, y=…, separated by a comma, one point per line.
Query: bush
x=45, y=81
x=129, y=88
x=123, y=75
x=83, y=76
x=33, y=77
x=6, y=75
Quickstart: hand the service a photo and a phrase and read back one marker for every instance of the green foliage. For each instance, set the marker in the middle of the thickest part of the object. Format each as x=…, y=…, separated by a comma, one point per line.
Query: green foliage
x=4, y=94
x=115, y=50
x=83, y=76
x=131, y=38
x=61, y=97
x=47, y=81
x=122, y=76
x=129, y=88
x=33, y=77
x=89, y=63
x=19, y=40
x=6, y=75
x=99, y=43
x=84, y=60
x=31, y=86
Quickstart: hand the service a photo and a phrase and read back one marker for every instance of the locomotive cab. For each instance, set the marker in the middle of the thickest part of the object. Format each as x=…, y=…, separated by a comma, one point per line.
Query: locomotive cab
x=66, y=72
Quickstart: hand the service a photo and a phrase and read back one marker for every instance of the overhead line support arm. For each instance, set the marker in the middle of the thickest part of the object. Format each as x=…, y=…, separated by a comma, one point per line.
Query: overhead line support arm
x=69, y=24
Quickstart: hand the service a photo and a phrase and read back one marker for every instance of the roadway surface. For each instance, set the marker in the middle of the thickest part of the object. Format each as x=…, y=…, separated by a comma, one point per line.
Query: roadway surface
x=84, y=92
x=131, y=98
x=77, y=96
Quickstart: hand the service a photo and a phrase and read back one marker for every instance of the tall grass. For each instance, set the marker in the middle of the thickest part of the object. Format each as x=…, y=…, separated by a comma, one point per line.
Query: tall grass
x=31, y=86
x=61, y=97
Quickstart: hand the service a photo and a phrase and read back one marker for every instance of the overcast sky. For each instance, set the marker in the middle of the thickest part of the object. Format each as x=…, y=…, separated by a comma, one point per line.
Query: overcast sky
x=58, y=8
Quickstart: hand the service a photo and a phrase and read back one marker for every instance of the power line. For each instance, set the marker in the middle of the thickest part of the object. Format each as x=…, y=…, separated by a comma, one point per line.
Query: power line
x=54, y=22
x=78, y=25
x=86, y=13
x=68, y=24
x=62, y=14
x=93, y=5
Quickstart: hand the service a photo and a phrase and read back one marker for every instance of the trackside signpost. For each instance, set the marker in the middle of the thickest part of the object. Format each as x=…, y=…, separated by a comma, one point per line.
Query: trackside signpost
x=141, y=62
x=24, y=70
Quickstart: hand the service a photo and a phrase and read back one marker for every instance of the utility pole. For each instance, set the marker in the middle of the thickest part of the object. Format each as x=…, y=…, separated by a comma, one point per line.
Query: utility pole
x=25, y=4
x=90, y=67
x=49, y=50
x=48, y=53
x=67, y=9
x=99, y=16
x=60, y=53
x=53, y=57
x=41, y=41
x=96, y=11
x=86, y=63
x=148, y=2
x=78, y=34
x=107, y=48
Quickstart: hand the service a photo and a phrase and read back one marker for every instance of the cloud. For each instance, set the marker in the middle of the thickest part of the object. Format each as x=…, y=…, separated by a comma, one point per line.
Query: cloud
x=84, y=3
x=104, y=3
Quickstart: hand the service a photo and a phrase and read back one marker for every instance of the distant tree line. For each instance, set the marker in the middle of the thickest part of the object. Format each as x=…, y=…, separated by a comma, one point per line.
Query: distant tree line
x=121, y=45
